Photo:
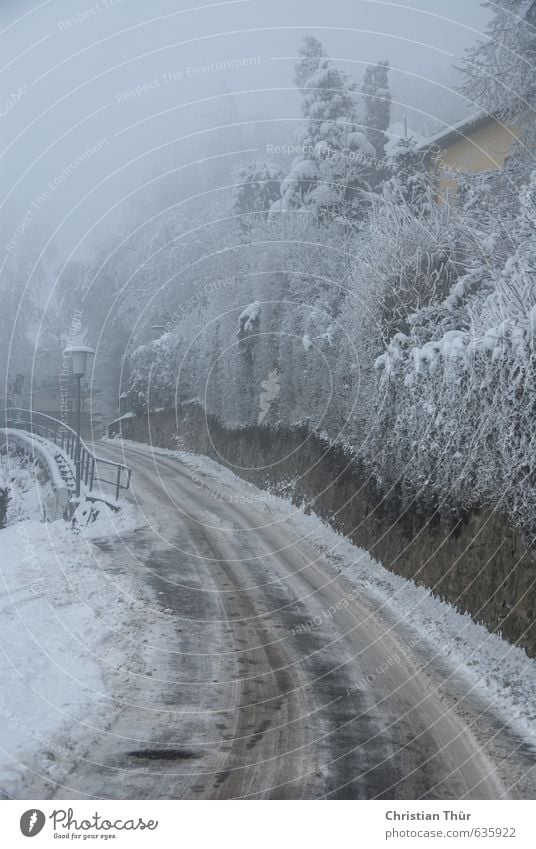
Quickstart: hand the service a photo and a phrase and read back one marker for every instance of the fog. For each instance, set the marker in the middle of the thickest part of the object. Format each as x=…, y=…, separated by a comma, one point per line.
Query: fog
x=116, y=87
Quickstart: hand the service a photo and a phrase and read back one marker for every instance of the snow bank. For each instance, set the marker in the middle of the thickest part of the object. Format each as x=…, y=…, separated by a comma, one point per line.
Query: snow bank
x=65, y=627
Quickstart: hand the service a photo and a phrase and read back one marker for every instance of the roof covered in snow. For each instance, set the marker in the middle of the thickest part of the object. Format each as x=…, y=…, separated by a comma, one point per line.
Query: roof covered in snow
x=461, y=130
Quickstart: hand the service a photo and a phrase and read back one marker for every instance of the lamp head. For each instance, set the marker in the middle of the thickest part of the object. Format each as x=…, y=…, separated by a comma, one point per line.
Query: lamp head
x=79, y=357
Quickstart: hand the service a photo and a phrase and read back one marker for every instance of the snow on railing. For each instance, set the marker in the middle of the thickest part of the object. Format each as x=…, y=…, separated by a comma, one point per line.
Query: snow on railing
x=94, y=471
x=38, y=448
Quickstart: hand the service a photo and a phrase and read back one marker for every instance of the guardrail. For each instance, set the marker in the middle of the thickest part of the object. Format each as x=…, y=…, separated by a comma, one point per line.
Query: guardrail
x=91, y=466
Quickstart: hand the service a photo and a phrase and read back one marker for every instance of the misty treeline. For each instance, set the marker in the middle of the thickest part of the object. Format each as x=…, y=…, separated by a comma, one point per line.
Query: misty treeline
x=329, y=288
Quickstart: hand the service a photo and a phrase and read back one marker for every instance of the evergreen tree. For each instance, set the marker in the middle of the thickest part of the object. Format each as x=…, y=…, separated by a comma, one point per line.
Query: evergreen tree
x=311, y=55
x=331, y=178
x=258, y=189
x=377, y=97
x=411, y=183
x=329, y=104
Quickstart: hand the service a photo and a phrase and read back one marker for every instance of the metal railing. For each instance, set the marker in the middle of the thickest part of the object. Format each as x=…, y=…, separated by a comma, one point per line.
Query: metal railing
x=91, y=466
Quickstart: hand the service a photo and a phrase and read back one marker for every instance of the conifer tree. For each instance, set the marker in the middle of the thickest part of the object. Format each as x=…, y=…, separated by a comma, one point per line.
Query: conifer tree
x=311, y=53
x=377, y=97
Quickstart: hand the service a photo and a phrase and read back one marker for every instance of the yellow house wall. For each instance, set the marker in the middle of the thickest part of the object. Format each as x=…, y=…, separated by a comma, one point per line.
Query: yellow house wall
x=485, y=149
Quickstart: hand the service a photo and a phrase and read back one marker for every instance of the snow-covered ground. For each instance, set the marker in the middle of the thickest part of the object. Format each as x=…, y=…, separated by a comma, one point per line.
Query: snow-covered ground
x=56, y=641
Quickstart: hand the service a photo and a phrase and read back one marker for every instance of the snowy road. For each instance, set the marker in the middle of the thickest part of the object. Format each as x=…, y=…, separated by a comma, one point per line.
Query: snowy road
x=266, y=674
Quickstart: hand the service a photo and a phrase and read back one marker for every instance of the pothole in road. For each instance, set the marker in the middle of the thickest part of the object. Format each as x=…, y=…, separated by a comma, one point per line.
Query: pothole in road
x=165, y=754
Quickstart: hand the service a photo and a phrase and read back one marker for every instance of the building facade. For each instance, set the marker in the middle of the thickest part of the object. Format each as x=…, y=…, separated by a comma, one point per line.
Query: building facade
x=479, y=143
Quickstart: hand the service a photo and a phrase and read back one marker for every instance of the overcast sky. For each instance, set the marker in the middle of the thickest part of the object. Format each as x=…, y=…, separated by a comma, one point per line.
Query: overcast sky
x=130, y=78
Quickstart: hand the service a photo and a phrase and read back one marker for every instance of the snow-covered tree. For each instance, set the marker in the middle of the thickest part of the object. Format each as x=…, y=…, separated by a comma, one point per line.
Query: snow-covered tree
x=136, y=391
x=377, y=98
x=258, y=188
x=500, y=74
x=312, y=54
x=329, y=99
x=411, y=183
x=332, y=178
x=346, y=179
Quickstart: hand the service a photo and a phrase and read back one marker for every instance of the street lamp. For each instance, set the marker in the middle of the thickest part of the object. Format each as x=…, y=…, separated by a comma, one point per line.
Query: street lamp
x=79, y=356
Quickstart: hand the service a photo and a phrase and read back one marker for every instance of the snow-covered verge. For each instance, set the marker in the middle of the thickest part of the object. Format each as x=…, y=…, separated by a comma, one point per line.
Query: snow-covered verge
x=499, y=674
x=69, y=619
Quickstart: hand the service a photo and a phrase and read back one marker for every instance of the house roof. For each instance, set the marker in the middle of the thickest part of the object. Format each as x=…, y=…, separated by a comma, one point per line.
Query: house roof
x=458, y=131
x=477, y=119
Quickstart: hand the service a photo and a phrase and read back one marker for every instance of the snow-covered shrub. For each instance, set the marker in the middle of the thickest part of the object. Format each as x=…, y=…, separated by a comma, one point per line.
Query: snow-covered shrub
x=410, y=261
x=153, y=374
x=136, y=390
x=457, y=391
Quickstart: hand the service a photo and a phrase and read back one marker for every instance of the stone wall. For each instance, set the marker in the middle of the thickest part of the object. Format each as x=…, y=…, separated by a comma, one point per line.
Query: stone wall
x=475, y=560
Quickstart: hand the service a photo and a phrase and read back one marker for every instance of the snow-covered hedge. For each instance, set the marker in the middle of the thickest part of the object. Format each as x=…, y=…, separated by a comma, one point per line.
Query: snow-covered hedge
x=457, y=406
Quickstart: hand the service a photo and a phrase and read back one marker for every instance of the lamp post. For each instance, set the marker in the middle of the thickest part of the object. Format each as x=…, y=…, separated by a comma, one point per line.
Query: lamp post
x=79, y=356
